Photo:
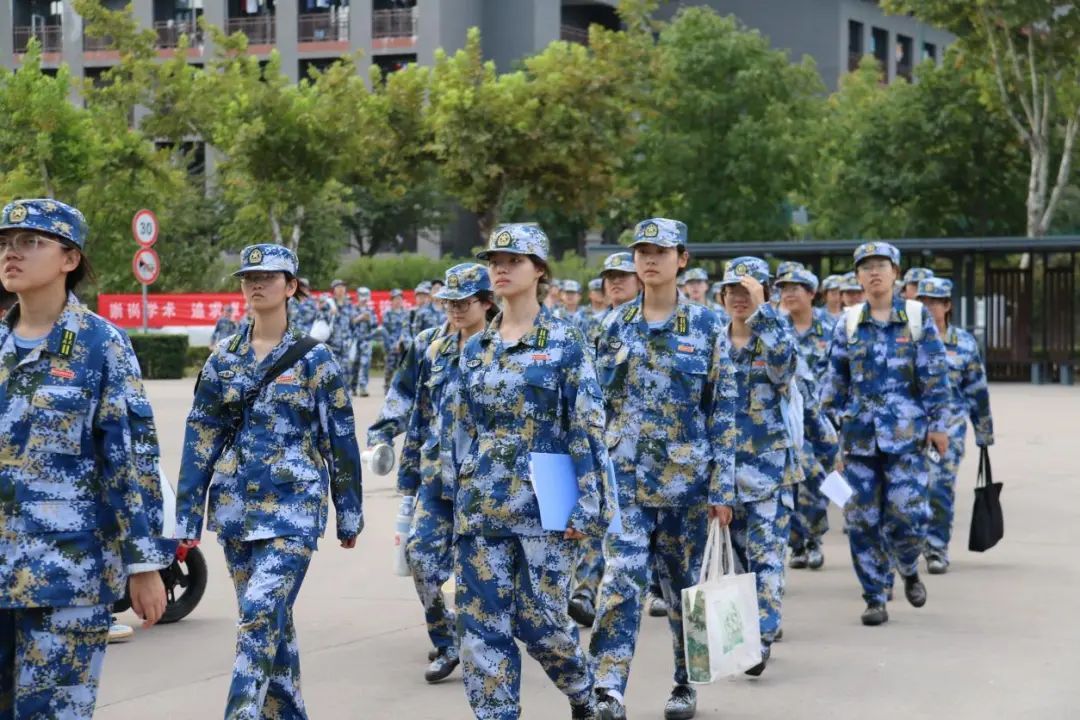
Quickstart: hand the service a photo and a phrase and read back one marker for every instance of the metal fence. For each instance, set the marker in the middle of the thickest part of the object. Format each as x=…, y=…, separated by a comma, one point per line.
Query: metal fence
x=260, y=30
x=169, y=33
x=324, y=27
x=393, y=23
x=51, y=37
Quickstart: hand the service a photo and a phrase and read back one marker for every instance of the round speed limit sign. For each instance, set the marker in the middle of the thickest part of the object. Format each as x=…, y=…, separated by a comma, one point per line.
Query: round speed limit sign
x=144, y=226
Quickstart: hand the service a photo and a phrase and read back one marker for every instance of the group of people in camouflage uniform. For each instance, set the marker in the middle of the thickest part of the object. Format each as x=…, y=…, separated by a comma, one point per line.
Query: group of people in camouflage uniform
x=669, y=395
x=673, y=408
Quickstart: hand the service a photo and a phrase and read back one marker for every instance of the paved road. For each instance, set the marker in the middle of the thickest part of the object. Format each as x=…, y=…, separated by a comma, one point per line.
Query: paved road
x=998, y=638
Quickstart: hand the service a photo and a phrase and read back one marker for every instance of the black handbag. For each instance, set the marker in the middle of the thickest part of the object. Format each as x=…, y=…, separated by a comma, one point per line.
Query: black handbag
x=987, y=521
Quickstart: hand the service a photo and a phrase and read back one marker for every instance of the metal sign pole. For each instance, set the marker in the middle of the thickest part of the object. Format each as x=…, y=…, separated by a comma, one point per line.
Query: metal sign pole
x=145, y=321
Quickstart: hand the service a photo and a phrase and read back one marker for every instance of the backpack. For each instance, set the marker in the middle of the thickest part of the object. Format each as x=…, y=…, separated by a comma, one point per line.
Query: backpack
x=913, y=308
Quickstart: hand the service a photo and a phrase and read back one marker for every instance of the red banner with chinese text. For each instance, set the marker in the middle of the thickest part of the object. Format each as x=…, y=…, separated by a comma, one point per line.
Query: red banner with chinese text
x=186, y=309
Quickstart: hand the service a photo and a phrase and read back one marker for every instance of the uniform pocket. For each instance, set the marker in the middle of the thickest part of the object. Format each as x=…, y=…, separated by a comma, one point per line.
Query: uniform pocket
x=66, y=657
x=688, y=377
x=57, y=516
x=58, y=418
x=541, y=392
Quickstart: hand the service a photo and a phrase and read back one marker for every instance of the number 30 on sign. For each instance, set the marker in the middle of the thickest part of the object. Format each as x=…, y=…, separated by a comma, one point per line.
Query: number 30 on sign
x=144, y=226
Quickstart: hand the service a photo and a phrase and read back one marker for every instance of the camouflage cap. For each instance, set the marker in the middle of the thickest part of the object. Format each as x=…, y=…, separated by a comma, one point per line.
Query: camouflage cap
x=935, y=288
x=363, y=292
x=742, y=266
x=877, y=249
x=267, y=257
x=696, y=274
x=832, y=282
x=396, y=292
x=799, y=276
x=465, y=280
x=424, y=288
x=916, y=275
x=571, y=286
x=596, y=284
x=619, y=262
x=850, y=283
x=787, y=266
x=48, y=216
x=661, y=232
x=334, y=283
x=518, y=238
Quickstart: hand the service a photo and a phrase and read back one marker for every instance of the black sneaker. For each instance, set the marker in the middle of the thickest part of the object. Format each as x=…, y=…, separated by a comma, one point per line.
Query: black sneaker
x=755, y=671
x=585, y=711
x=608, y=708
x=441, y=667
x=432, y=654
x=914, y=590
x=582, y=611
x=875, y=614
x=658, y=606
x=682, y=705
x=798, y=558
x=814, y=557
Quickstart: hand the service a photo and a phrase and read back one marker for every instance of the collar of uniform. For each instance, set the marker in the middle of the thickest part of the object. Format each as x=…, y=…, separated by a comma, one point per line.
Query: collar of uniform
x=951, y=336
x=68, y=321
x=682, y=309
x=898, y=314
x=531, y=339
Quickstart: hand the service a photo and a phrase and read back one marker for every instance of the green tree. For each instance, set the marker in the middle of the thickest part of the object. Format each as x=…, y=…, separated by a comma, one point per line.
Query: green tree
x=725, y=138
x=1029, y=52
x=914, y=159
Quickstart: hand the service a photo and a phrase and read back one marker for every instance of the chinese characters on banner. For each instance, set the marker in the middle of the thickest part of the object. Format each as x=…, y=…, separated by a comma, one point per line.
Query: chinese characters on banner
x=185, y=309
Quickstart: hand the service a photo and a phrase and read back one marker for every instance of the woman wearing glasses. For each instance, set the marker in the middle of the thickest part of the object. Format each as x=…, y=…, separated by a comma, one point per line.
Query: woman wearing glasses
x=887, y=391
x=528, y=386
x=469, y=304
x=270, y=436
x=78, y=514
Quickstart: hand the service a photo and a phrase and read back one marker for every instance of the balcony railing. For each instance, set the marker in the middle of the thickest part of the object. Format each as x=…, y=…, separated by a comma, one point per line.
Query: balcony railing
x=96, y=44
x=259, y=30
x=393, y=23
x=170, y=31
x=574, y=34
x=324, y=27
x=51, y=37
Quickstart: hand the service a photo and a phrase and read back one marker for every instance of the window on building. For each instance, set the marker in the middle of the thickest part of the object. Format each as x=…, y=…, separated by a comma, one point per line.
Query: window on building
x=929, y=51
x=905, y=61
x=855, y=44
x=879, y=48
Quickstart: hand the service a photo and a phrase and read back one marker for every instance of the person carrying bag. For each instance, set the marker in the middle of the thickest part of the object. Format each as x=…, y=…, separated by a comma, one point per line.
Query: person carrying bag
x=721, y=631
x=987, y=521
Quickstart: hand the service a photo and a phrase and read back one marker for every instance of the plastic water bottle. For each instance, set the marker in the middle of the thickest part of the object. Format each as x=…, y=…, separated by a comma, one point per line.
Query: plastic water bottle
x=401, y=534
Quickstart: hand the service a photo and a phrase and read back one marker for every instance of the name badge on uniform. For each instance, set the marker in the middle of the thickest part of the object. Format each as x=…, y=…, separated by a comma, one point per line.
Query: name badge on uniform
x=759, y=363
x=226, y=374
x=903, y=339
x=541, y=357
x=474, y=363
x=286, y=379
x=70, y=374
x=686, y=348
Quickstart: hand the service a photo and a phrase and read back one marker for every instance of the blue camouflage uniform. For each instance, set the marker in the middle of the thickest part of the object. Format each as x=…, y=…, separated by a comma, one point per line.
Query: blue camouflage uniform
x=223, y=328
x=365, y=329
x=427, y=315
x=537, y=394
x=393, y=417
x=969, y=398
x=342, y=335
x=395, y=337
x=914, y=276
x=302, y=313
x=669, y=391
x=766, y=462
x=80, y=497
x=268, y=467
x=884, y=392
x=430, y=547
x=810, y=521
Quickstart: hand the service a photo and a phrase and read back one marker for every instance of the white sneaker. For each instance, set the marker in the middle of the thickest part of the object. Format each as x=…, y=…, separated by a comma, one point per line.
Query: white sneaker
x=119, y=632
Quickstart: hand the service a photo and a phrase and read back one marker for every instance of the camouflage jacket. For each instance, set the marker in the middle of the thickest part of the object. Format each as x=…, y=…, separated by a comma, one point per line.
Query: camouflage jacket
x=80, y=495
x=297, y=438
x=395, y=328
x=342, y=334
x=764, y=369
x=424, y=318
x=670, y=398
x=536, y=395
x=364, y=324
x=970, y=395
x=884, y=391
x=302, y=314
x=394, y=416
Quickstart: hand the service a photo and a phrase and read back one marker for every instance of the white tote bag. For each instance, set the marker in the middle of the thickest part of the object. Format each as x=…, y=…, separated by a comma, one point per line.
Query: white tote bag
x=720, y=615
x=320, y=330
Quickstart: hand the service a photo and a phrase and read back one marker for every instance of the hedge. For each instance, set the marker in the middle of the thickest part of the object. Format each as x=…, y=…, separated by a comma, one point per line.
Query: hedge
x=161, y=357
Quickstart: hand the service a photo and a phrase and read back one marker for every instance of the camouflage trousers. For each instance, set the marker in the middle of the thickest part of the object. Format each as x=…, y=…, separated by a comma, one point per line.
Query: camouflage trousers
x=589, y=570
x=267, y=575
x=886, y=517
x=943, y=493
x=360, y=371
x=430, y=554
x=759, y=534
x=50, y=661
x=675, y=537
x=810, y=521
x=519, y=587
x=392, y=359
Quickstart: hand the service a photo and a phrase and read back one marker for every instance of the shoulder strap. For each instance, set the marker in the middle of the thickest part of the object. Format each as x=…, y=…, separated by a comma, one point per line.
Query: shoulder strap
x=914, y=319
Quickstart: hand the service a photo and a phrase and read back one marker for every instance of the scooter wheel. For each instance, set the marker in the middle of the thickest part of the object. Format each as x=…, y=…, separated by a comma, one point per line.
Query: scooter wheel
x=185, y=583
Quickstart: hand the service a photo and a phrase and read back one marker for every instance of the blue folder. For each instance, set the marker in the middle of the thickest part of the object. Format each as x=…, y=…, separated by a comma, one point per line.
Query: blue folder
x=556, y=486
